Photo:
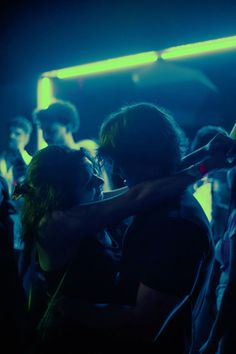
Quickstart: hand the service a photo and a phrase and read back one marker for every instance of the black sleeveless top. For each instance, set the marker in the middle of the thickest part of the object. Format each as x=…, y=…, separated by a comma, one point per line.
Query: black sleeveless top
x=91, y=275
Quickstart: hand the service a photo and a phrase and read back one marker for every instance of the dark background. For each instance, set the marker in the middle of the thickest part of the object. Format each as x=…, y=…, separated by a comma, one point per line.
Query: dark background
x=46, y=35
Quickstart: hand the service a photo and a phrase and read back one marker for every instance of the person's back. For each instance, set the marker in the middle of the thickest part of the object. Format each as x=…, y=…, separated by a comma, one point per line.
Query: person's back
x=162, y=249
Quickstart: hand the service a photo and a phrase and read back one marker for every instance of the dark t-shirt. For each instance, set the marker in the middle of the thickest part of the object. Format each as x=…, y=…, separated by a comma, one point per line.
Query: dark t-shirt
x=163, y=249
x=90, y=277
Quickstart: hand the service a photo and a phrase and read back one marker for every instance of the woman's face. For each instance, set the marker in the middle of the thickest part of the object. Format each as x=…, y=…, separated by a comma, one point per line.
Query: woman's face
x=90, y=186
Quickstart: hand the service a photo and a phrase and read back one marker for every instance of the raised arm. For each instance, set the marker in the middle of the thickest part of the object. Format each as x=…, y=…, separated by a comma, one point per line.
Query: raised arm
x=220, y=144
x=69, y=227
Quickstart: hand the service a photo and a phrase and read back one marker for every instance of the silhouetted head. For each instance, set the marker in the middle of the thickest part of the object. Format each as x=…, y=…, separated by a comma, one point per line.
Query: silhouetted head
x=19, y=132
x=205, y=134
x=143, y=140
x=57, y=121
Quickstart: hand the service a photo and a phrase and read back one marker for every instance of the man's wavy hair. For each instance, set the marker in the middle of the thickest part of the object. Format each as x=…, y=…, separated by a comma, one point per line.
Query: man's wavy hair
x=143, y=133
x=62, y=112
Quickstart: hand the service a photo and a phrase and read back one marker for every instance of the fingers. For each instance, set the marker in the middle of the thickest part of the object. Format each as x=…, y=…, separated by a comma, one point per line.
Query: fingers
x=221, y=142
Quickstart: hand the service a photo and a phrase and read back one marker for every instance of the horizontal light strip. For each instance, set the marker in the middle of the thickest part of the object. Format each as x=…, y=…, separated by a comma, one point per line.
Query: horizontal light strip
x=136, y=60
x=194, y=49
x=126, y=62
x=45, y=85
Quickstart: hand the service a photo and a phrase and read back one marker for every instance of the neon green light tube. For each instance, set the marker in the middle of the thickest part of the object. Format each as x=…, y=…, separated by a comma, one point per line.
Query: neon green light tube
x=44, y=92
x=121, y=63
x=199, y=48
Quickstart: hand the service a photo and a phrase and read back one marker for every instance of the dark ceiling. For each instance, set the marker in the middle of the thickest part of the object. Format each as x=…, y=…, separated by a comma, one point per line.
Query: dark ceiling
x=39, y=36
x=42, y=35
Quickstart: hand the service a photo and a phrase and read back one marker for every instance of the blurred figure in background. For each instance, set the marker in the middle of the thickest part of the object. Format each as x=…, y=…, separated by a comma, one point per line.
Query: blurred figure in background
x=15, y=158
x=59, y=122
x=13, y=163
x=222, y=335
x=212, y=191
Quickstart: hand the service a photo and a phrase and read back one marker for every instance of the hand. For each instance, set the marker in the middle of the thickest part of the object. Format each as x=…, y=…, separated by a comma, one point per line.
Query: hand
x=217, y=161
x=222, y=143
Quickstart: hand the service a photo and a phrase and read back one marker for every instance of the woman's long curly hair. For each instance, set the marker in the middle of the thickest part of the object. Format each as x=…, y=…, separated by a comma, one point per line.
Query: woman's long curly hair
x=53, y=176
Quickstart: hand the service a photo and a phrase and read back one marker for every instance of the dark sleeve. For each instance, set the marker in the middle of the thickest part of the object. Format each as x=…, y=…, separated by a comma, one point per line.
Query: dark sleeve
x=172, y=256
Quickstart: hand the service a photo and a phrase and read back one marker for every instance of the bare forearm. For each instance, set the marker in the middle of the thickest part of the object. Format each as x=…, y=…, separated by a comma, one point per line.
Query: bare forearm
x=194, y=157
x=220, y=144
x=114, y=192
x=96, y=216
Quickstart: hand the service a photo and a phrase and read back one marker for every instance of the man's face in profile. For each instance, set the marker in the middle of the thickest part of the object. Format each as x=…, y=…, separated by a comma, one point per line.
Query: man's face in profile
x=54, y=133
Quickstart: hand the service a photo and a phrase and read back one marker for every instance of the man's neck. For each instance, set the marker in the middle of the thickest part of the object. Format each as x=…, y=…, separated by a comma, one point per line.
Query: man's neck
x=69, y=141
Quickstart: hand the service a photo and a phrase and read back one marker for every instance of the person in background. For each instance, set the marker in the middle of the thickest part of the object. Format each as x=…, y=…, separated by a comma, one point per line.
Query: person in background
x=213, y=191
x=13, y=163
x=221, y=339
x=15, y=158
x=59, y=122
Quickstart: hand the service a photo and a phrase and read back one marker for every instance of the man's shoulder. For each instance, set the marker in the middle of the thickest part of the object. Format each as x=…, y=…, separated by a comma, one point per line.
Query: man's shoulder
x=184, y=207
x=88, y=144
x=191, y=210
x=183, y=217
